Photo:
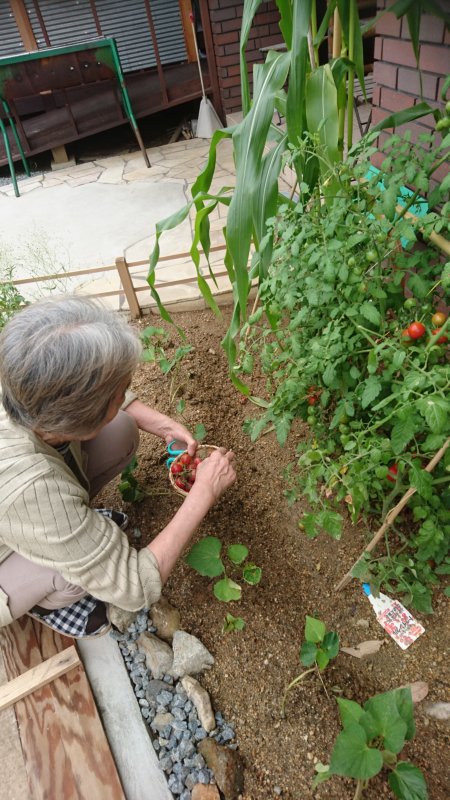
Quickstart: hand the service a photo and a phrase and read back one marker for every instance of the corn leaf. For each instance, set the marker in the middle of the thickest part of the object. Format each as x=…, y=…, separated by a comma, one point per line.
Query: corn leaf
x=295, y=104
x=250, y=9
x=249, y=139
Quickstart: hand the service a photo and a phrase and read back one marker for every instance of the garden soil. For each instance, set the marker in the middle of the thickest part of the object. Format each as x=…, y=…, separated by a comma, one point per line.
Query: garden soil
x=253, y=667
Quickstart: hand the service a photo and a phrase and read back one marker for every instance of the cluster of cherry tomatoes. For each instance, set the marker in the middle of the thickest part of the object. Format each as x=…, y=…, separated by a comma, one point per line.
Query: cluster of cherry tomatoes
x=417, y=329
x=184, y=471
x=313, y=395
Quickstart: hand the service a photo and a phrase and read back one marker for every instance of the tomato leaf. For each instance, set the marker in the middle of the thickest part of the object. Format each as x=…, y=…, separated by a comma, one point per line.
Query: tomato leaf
x=372, y=388
x=422, y=481
x=371, y=313
x=252, y=574
x=402, y=433
x=308, y=652
x=435, y=411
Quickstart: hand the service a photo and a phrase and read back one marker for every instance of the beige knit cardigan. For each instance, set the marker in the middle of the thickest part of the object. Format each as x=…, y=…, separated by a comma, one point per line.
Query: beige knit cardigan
x=45, y=517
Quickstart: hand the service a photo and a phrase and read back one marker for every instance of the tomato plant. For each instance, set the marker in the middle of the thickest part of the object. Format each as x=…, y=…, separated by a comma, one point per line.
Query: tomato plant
x=438, y=319
x=330, y=352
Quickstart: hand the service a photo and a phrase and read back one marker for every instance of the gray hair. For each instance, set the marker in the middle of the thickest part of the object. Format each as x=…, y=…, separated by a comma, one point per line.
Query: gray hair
x=62, y=360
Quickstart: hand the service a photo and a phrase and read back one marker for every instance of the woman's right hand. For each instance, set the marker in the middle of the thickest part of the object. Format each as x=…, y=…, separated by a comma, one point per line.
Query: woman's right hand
x=215, y=474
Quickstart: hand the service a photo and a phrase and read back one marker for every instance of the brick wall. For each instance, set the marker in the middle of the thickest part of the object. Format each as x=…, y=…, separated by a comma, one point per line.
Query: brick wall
x=226, y=18
x=396, y=79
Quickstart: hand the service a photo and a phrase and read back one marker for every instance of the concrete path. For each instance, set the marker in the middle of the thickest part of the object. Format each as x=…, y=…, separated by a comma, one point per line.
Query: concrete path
x=88, y=215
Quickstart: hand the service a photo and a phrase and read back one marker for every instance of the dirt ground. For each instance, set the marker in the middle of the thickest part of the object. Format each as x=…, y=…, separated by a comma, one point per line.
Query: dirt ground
x=253, y=667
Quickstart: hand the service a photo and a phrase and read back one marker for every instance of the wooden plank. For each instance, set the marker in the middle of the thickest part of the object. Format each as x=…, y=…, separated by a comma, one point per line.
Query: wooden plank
x=127, y=285
x=14, y=784
x=65, y=748
x=186, y=11
x=24, y=24
x=38, y=676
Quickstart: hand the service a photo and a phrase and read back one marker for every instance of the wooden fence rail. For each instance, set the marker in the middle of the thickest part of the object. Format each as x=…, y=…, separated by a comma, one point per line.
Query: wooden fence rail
x=123, y=268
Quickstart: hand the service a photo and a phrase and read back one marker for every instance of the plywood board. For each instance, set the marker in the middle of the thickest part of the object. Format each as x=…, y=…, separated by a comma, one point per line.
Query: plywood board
x=65, y=748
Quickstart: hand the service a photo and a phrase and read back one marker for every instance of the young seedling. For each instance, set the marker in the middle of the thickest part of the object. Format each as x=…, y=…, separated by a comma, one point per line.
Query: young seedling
x=204, y=557
x=318, y=649
x=373, y=736
x=130, y=488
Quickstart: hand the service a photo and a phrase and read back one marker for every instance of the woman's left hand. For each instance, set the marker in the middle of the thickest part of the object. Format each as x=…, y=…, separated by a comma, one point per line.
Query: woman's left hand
x=183, y=438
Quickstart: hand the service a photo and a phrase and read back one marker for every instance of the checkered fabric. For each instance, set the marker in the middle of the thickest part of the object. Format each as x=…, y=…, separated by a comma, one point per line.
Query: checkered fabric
x=71, y=620
x=118, y=517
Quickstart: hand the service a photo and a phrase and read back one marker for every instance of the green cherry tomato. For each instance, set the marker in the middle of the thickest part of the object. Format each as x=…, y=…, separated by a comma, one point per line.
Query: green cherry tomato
x=351, y=262
x=410, y=303
x=371, y=256
x=443, y=124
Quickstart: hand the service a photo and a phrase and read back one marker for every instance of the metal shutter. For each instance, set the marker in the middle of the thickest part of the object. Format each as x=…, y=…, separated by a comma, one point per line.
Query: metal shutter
x=66, y=21
x=10, y=41
x=71, y=21
x=129, y=26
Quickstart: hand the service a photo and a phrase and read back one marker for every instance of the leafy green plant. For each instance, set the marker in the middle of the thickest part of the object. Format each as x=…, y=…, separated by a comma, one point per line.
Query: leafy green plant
x=317, y=102
x=373, y=735
x=130, y=488
x=10, y=302
x=319, y=648
x=349, y=281
x=205, y=558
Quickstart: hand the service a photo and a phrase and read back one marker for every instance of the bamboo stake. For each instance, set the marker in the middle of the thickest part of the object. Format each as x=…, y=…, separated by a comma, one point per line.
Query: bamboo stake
x=390, y=517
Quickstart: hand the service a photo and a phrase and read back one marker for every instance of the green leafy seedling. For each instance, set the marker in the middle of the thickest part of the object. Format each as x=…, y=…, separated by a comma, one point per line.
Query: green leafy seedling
x=205, y=558
x=372, y=738
x=319, y=648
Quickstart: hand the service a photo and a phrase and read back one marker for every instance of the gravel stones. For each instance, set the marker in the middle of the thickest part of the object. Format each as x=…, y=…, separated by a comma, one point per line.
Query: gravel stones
x=178, y=713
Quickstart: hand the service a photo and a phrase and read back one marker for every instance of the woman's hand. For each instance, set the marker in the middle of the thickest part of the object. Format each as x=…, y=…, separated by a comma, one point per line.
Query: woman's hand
x=215, y=474
x=148, y=419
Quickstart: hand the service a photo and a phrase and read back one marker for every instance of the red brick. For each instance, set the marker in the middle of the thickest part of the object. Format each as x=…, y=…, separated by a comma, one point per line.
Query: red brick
x=431, y=29
x=227, y=60
x=231, y=81
x=395, y=101
x=385, y=74
x=378, y=114
x=269, y=16
x=229, y=49
x=388, y=25
x=441, y=172
x=231, y=25
x=222, y=14
x=435, y=59
x=376, y=96
x=226, y=38
x=447, y=36
x=409, y=81
x=398, y=52
x=378, y=48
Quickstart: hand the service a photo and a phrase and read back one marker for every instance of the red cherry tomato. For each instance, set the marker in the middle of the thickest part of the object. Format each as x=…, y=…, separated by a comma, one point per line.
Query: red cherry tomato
x=416, y=330
x=176, y=469
x=181, y=485
x=196, y=462
x=405, y=334
x=393, y=470
x=191, y=476
x=185, y=459
x=442, y=339
x=311, y=400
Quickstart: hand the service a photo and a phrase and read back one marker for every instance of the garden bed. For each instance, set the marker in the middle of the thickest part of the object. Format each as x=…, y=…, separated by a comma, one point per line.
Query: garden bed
x=253, y=667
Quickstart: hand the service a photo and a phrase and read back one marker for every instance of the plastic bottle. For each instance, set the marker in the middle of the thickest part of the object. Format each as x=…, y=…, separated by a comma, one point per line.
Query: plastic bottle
x=395, y=618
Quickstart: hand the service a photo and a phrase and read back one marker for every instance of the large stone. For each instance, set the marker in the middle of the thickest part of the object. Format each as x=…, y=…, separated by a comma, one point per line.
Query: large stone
x=205, y=791
x=200, y=698
x=190, y=656
x=226, y=765
x=165, y=618
x=158, y=654
x=121, y=619
x=161, y=721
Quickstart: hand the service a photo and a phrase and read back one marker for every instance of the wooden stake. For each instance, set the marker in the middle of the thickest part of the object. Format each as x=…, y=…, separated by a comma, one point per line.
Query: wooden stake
x=37, y=677
x=127, y=285
x=390, y=517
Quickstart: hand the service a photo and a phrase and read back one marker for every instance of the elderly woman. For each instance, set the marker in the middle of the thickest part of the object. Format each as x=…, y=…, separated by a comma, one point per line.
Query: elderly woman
x=68, y=425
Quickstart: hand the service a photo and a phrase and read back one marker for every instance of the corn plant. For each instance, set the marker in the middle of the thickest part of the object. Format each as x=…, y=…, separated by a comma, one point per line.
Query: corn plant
x=316, y=101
